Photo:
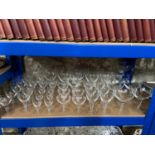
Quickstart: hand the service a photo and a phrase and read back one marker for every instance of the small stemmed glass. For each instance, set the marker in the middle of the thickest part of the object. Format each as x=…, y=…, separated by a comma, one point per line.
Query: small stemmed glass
x=124, y=94
x=142, y=92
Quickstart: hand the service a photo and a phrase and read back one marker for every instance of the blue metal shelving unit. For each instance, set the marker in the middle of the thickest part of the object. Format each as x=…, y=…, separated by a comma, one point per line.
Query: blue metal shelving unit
x=18, y=49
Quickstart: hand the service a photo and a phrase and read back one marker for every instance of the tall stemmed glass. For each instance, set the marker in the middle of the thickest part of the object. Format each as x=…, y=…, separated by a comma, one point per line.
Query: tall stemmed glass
x=37, y=97
x=48, y=97
x=78, y=97
x=63, y=96
x=92, y=95
x=106, y=97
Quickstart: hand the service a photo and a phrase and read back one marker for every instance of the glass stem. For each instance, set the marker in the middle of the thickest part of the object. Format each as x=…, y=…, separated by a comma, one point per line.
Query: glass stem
x=78, y=108
x=121, y=107
x=139, y=105
x=7, y=109
x=49, y=109
x=37, y=109
x=26, y=107
x=63, y=107
x=91, y=107
x=105, y=107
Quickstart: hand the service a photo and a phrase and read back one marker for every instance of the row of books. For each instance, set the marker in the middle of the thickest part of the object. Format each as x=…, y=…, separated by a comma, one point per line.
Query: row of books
x=85, y=30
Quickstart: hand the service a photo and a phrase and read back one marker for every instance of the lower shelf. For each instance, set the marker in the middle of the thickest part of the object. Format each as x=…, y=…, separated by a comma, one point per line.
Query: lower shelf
x=129, y=116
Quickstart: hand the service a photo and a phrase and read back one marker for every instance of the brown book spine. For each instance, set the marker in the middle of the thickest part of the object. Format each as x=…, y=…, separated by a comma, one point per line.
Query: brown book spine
x=75, y=29
x=146, y=30
x=46, y=29
x=61, y=29
x=152, y=27
x=83, y=29
x=124, y=29
x=139, y=30
x=38, y=29
x=117, y=29
x=97, y=29
x=15, y=28
x=110, y=29
x=104, y=30
x=2, y=34
x=90, y=29
x=23, y=28
x=132, y=30
x=7, y=28
x=68, y=29
x=31, y=29
x=54, y=29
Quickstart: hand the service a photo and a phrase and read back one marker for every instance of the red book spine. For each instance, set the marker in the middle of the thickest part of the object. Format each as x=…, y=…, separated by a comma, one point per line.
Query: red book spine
x=31, y=29
x=75, y=29
x=117, y=29
x=15, y=28
x=152, y=27
x=61, y=29
x=124, y=29
x=90, y=30
x=38, y=29
x=110, y=29
x=7, y=28
x=23, y=28
x=97, y=29
x=46, y=29
x=2, y=34
x=132, y=30
x=104, y=30
x=83, y=29
x=54, y=29
x=139, y=30
x=146, y=30
x=68, y=29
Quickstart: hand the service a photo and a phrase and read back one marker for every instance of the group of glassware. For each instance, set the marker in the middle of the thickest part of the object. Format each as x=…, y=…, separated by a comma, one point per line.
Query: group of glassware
x=76, y=87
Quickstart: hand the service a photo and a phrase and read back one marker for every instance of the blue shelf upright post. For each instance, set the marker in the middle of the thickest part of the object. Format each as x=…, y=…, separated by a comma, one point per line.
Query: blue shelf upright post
x=17, y=68
x=128, y=68
x=1, y=132
x=149, y=124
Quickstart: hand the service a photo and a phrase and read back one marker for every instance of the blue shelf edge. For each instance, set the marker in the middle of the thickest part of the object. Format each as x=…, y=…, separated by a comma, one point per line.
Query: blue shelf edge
x=70, y=121
x=96, y=50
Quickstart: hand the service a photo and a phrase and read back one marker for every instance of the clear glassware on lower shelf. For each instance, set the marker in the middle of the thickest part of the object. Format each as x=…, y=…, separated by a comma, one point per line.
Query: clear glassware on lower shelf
x=142, y=92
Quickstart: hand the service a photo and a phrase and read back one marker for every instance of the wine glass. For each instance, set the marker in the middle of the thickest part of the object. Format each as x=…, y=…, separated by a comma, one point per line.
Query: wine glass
x=142, y=92
x=106, y=97
x=24, y=98
x=63, y=100
x=92, y=95
x=124, y=94
x=48, y=101
x=78, y=101
x=4, y=102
